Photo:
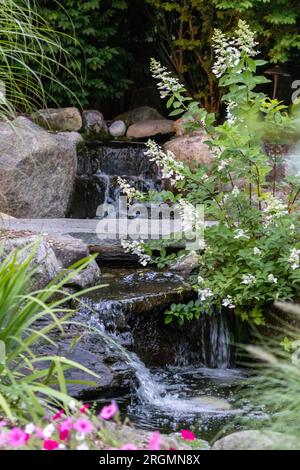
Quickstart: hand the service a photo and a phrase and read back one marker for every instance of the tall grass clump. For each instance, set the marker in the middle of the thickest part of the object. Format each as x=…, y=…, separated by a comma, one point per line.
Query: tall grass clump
x=30, y=381
x=274, y=387
x=30, y=54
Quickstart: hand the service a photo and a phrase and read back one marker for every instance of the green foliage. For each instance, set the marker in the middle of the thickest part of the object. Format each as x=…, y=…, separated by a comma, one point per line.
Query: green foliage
x=90, y=29
x=275, y=384
x=29, y=49
x=31, y=382
x=240, y=267
x=185, y=29
x=183, y=312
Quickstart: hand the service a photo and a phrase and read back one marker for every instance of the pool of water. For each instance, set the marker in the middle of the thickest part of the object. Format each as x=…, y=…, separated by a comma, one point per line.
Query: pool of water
x=199, y=399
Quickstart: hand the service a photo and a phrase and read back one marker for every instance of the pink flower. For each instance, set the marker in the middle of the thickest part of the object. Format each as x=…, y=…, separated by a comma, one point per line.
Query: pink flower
x=3, y=423
x=2, y=439
x=129, y=447
x=84, y=408
x=50, y=445
x=17, y=437
x=66, y=425
x=64, y=435
x=109, y=411
x=188, y=435
x=58, y=415
x=83, y=426
x=39, y=432
x=155, y=441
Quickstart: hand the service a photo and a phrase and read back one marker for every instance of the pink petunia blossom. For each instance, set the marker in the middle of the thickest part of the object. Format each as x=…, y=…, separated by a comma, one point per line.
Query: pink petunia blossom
x=83, y=426
x=49, y=444
x=39, y=433
x=129, y=447
x=84, y=408
x=17, y=437
x=2, y=439
x=64, y=435
x=188, y=435
x=155, y=441
x=66, y=425
x=109, y=411
x=58, y=415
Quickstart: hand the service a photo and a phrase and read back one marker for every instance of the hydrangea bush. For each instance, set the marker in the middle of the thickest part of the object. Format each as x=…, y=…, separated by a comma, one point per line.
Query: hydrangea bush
x=251, y=255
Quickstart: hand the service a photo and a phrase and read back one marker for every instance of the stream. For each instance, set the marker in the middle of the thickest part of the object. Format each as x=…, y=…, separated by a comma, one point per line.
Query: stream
x=183, y=377
x=164, y=377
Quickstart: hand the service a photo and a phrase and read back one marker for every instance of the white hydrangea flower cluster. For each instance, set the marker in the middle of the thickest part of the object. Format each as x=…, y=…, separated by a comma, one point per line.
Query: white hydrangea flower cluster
x=136, y=247
x=274, y=208
x=168, y=85
x=235, y=192
x=272, y=279
x=230, y=117
x=240, y=233
x=130, y=191
x=256, y=251
x=248, y=279
x=228, y=302
x=245, y=39
x=228, y=50
x=294, y=258
x=192, y=222
x=171, y=169
x=205, y=294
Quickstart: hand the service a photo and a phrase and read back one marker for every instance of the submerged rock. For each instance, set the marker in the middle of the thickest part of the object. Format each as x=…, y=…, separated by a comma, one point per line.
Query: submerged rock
x=118, y=129
x=37, y=170
x=94, y=126
x=257, y=440
x=150, y=128
x=58, y=120
x=141, y=113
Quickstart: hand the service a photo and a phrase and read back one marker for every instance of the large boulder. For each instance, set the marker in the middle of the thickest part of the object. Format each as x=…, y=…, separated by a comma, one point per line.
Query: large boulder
x=52, y=255
x=149, y=128
x=190, y=148
x=44, y=262
x=143, y=113
x=58, y=119
x=94, y=125
x=37, y=170
x=257, y=440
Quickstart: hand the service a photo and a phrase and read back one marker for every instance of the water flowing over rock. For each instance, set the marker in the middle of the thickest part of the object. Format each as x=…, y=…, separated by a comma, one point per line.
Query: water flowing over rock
x=58, y=120
x=94, y=126
x=37, y=170
x=99, y=166
x=150, y=128
x=142, y=113
x=191, y=148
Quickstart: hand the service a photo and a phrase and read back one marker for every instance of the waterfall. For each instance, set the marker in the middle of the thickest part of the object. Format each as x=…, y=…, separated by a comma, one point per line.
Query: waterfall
x=104, y=317
x=99, y=166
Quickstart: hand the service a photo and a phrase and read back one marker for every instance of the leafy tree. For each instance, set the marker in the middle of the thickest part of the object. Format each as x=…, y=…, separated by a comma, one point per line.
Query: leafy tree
x=184, y=29
x=90, y=30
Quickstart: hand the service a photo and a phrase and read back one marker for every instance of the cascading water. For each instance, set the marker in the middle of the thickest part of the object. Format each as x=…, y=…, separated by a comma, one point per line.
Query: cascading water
x=100, y=164
x=182, y=373
x=187, y=391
